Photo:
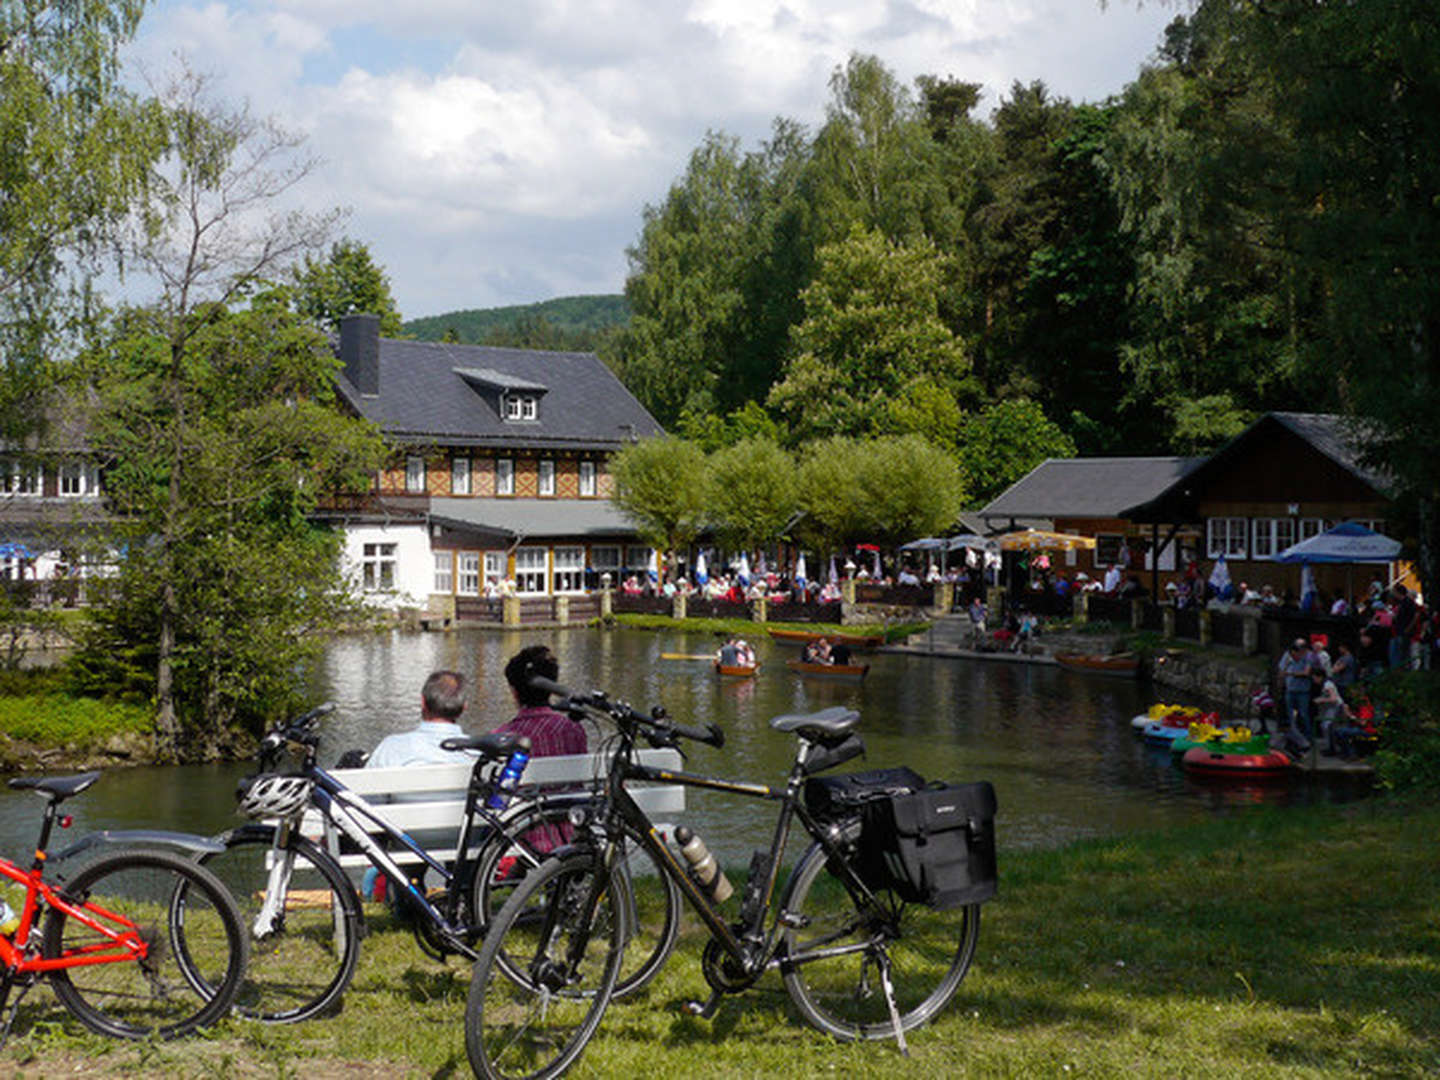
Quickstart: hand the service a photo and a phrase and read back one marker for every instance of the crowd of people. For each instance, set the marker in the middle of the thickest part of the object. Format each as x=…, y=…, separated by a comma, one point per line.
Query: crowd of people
x=1325, y=697
x=824, y=651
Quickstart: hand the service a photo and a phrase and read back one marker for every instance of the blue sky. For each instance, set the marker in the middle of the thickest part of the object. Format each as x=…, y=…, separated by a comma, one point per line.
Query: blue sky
x=500, y=153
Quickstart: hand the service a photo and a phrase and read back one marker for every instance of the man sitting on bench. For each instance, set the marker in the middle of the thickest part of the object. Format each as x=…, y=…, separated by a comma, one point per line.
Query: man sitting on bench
x=442, y=700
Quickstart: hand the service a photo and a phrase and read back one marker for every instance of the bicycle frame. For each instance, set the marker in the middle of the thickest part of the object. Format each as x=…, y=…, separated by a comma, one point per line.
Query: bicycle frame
x=123, y=942
x=754, y=947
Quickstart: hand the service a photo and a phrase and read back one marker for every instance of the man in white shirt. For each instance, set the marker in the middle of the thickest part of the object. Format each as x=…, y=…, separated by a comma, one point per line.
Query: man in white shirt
x=442, y=700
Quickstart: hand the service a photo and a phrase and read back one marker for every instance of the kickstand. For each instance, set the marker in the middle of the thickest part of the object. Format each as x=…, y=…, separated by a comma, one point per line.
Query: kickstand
x=884, y=965
x=6, y=986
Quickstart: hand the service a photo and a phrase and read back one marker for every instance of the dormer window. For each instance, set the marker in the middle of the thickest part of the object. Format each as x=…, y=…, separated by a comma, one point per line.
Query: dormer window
x=521, y=406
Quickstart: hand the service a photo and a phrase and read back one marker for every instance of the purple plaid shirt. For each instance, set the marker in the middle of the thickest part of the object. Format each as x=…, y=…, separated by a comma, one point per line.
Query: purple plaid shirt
x=551, y=733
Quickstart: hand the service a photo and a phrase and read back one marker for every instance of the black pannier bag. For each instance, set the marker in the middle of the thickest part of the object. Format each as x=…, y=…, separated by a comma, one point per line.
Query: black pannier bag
x=936, y=846
x=833, y=798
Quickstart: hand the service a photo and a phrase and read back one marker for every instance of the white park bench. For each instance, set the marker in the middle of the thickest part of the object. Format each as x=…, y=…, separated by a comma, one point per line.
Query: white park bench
x=428, y=801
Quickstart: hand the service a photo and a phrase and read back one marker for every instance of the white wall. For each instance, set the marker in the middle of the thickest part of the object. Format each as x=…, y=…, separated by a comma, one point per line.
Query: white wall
x=414, y=565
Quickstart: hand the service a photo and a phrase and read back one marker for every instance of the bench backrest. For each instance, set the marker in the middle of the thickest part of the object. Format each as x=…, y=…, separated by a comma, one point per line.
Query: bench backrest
x=428, y=801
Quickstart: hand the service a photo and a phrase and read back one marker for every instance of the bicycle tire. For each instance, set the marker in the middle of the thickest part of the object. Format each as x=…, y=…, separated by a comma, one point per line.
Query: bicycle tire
x=301, y=968
x=536, y=1027
x=929, y=951
x=653, y=913
x=195, y=946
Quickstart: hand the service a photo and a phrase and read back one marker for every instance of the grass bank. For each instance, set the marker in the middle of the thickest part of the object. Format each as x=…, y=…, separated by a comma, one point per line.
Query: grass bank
x=1284, y=943
x=745, y=627
x=40, y=718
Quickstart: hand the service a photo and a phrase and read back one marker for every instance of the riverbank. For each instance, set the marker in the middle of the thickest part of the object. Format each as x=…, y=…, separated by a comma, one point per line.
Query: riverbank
x=1284, y=943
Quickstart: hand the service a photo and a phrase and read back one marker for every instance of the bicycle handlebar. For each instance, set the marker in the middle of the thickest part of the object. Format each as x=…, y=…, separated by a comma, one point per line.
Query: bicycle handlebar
x=657, y=723
x=296, y=730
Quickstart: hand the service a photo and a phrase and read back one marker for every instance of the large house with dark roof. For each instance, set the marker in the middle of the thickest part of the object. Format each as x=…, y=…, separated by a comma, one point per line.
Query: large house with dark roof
x=1284, y=479
x=501, y=469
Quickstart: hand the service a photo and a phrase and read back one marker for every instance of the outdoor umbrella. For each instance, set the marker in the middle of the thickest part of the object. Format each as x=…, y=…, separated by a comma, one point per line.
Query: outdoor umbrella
x=1348, y=542
x=1042, y=540
x=800, y=570
x=743, y=573
x=834, y=577
x=652, y=571
x=14, y=550
x=702, y=577
x=1220, y=576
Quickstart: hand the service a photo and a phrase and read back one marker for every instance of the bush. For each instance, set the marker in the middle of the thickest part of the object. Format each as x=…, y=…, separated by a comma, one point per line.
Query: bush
x=54, y=719
x=1409, y=754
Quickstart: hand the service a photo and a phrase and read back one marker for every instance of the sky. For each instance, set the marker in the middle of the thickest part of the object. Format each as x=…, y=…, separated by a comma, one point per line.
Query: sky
x=495, y=152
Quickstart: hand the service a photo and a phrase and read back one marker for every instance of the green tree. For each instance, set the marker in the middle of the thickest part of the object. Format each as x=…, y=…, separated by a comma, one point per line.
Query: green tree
x=711, y=432
x=75, y=147
x=1003, y=442
x=752, y=493
x=214, y=482
x=219, y=418
x=346, y=282
x=872, y=334
x=661, y=484
x=910, y=488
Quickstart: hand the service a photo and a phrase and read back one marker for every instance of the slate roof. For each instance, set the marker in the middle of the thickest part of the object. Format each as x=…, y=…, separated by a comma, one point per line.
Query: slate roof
x=1336, y=438
x=1087, y=487
x=435, y=392
x=537, y=518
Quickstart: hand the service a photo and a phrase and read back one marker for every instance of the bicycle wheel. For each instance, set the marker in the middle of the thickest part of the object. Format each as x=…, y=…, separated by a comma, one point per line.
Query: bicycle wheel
x=304, y=959
x=652, y=916
x=194, y=946
x=832, y=955
x=538, y=1025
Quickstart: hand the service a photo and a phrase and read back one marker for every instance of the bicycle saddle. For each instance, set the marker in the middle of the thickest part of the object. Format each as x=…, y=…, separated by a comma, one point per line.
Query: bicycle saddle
x=824, y=726
x=491, y=745
x=57, y=787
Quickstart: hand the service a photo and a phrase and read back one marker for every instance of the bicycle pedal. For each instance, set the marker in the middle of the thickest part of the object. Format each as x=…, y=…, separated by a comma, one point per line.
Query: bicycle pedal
x=705, y=1011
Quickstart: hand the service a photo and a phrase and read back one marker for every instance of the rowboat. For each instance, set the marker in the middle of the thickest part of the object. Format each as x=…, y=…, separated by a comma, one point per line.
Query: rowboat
x=845, y=672
x=801, y=637
x=737, y=671
x=1122, y=664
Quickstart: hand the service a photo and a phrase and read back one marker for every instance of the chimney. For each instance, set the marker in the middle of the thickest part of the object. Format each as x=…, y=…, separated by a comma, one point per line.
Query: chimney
x=360, y=352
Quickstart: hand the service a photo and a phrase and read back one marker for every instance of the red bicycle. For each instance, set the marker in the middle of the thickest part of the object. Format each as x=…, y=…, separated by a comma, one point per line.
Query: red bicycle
x=140, y=941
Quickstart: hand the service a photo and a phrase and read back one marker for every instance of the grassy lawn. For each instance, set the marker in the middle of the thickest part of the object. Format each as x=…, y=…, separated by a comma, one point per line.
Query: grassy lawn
x=744, y=627
x=1300, y=943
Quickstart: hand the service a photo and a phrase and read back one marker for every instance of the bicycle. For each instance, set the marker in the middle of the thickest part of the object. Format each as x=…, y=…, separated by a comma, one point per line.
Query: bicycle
x=139, y=942
x=305, y=917
x=860, y=957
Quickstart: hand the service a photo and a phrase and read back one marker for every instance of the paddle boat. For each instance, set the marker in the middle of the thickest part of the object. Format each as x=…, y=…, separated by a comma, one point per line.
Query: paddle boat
x=1124, y=665
x=803, y=637
x=737, y=671
x=842, y=672
x=1228, y=740
x=1210, y=762
x=1178, y=716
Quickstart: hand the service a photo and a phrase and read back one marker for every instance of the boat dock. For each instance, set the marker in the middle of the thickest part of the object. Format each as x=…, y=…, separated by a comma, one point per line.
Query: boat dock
x=950, y=636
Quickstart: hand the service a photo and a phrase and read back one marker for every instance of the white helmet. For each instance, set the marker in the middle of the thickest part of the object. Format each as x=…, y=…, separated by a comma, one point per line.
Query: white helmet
x=273, y=796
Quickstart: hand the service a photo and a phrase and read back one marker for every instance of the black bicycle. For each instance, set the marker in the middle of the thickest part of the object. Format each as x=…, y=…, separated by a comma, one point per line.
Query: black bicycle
x=867, y=950
x=304, y=915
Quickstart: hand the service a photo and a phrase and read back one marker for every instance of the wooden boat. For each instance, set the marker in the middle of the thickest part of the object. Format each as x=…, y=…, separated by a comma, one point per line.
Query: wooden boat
x=1123, y=664
x=846, y=672
x=802, y=637
x=1204, y=761
x=737, y=671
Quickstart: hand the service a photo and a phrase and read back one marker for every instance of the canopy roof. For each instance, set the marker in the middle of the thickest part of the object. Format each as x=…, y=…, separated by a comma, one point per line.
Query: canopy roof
x=1041, y=540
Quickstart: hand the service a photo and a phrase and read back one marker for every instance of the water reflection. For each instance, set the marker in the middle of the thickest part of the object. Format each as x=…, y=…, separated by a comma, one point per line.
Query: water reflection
x=1057, y=746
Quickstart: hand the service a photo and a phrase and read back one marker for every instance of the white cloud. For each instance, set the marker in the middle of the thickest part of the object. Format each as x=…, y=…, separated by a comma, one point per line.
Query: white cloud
x=502, y=153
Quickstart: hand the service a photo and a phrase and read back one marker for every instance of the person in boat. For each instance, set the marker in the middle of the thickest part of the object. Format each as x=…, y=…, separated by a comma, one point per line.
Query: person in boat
x=840, y=654
x=745, y=653
x=729, y=655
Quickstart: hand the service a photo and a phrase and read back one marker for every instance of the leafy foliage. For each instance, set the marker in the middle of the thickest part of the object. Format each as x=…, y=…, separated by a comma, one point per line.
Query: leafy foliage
x=347, y=282
x=1003, y=442
x=566, y=324
x=661, y=484
x=752, y=493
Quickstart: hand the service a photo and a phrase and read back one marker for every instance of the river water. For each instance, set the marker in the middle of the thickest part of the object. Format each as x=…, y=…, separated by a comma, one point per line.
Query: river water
x=1057, y=746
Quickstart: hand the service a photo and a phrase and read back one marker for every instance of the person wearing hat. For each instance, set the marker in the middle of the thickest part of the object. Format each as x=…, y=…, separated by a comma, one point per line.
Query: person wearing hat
x=1295, y=667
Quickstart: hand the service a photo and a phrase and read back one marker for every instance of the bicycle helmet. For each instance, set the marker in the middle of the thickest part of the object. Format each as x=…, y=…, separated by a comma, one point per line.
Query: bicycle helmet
x=272, y=796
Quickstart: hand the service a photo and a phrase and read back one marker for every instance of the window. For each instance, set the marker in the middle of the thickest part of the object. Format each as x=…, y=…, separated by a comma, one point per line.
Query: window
x=530, y=569
x=1225, y=537
x=444, y=571
x=415, y=474
x=547, y=478
x=587, y=478
x=637, y=560
x=1270, y=536
x=377, y=567
x=605, y=557
x=494, y=569
x=521, y=407
x=1312, y=527
x=460, y=476
x=468, y=582
x=17, y=478
x=76, y=478
x=569, y=573
x=1107, y=549
x=504, y=476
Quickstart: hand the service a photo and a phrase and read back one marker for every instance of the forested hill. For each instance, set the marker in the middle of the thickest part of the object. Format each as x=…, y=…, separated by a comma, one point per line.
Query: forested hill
x=566, y=323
